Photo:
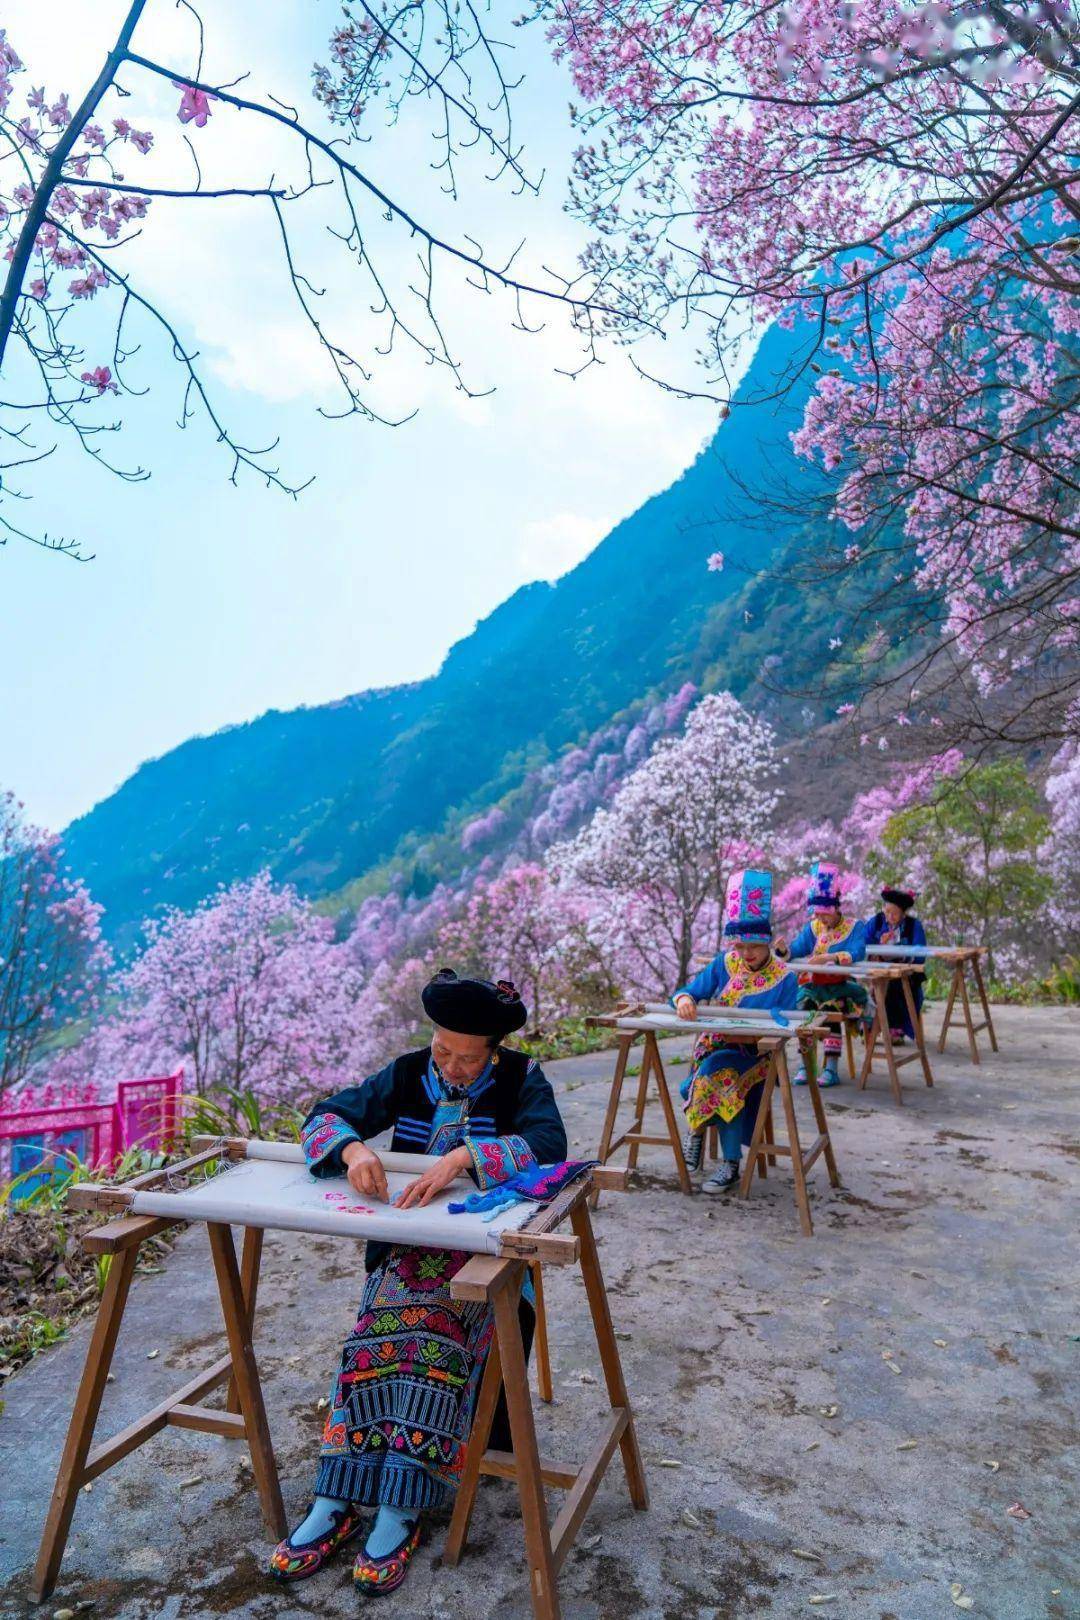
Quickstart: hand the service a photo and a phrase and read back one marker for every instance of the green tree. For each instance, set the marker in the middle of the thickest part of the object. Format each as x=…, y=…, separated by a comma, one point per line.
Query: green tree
x=972, y=852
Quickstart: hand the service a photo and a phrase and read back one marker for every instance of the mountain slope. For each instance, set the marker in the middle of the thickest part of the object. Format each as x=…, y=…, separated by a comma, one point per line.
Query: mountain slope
x=321, y=795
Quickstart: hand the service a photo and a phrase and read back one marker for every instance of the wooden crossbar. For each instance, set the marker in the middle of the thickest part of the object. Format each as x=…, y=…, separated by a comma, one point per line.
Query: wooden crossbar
x=592, y=1471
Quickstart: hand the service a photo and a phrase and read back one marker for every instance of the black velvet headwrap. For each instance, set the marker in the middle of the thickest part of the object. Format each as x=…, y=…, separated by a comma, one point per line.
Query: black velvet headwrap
x=473, y=1006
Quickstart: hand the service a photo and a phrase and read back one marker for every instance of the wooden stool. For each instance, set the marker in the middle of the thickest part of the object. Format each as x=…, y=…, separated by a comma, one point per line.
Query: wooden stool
x=761, y=1149
x=636, y=1135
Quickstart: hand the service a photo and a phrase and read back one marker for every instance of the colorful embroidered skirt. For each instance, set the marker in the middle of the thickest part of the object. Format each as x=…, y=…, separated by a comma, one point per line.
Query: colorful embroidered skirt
x=720, y=1078
x=403, y=1400
x=841, y=996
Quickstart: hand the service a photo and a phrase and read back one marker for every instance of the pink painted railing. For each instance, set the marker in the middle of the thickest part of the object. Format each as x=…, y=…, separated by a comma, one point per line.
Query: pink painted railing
x=145, y=1113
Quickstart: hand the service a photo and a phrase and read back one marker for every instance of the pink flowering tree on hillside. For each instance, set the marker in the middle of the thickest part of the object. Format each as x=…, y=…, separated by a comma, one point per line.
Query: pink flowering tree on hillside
x=522, y=926
x=81, y=175
x=1061, y=853
x=899, y=180
x=250, y=991
x=655, y=864
x=52, y=958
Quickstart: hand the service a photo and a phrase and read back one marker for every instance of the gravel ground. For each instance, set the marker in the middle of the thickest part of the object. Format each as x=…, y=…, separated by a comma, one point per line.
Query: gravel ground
x=758, y=1362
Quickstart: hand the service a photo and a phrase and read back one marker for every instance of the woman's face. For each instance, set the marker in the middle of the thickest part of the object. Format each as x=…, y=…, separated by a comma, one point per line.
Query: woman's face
x=754, y=956
x=894, y=916
x=829, y=918
x=462, y=1058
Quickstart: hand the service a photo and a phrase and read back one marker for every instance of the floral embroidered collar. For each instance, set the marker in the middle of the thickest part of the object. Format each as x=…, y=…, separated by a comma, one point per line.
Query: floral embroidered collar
x=831, y=936
x=746, y=981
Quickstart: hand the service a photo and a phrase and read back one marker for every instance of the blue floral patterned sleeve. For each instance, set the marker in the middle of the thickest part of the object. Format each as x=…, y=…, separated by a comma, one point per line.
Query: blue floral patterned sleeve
x=496, y=1159
x=322, y=1138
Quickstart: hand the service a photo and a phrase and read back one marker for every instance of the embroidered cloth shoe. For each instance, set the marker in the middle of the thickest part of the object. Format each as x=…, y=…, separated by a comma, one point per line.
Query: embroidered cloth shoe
x=693, y=1149
x=378, y=1576
x=799, y=1077
x=723, y=1177
x=830, y=1075
x=296, y=1560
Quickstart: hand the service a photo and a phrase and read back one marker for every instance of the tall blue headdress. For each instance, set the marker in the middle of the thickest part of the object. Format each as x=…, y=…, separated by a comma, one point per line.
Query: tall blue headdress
x=748, y=909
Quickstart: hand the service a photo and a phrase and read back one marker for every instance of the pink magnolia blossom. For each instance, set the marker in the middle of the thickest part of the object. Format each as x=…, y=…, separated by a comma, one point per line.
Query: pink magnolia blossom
x=194, y=105
x=100, y=379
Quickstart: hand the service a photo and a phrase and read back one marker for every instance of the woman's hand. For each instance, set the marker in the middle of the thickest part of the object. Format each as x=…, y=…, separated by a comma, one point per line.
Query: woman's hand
x=843, y=957
x=365, y=1171
x=780, y=946
x=436, y=1180
x=685, y=1007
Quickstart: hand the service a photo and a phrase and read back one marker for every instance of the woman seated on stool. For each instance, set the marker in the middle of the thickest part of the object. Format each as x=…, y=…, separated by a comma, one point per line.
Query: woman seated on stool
x=726, y=1081
x=401, y=1405
x=894, y=925
x=843, y=940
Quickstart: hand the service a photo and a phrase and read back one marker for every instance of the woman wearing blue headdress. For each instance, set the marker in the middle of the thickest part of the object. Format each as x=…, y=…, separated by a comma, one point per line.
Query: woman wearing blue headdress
x=829, y=933
x=726, y=1082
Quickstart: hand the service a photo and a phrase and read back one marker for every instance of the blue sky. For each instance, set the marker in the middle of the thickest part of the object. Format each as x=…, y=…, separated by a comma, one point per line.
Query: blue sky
x=207, y=604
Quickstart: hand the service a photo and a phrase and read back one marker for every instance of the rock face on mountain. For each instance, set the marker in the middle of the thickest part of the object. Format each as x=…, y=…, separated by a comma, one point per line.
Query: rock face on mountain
x=322, y=795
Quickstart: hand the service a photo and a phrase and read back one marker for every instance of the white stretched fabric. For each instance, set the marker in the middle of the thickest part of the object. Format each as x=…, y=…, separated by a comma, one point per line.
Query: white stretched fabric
x=672, y=1024
x=913, y=950
x=836, y=970
x=280, y=1193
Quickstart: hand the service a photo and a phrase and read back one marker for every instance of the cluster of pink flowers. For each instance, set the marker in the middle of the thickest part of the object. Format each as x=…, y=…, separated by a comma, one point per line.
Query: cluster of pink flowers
x=96, y=208
x=831, y=156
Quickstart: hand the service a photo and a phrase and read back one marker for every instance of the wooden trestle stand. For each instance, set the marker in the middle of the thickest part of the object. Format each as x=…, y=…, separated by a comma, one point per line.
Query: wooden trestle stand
x=494, y=1278
x=877, y=977
x=742, y=1026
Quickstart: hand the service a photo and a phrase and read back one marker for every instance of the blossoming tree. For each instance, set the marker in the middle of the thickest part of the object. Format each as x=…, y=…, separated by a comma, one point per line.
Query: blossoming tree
x=655, y=864
x=52, y=957
x=901, y=177
x=250, y=991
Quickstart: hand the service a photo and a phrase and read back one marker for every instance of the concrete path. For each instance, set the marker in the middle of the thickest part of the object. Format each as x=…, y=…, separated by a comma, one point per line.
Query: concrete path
x=771, y=1422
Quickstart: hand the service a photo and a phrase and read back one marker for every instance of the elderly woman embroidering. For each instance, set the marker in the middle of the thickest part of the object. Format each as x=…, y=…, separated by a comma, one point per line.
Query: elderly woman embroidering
x=894, y=925
x=402, y=1402
x=726, y=1081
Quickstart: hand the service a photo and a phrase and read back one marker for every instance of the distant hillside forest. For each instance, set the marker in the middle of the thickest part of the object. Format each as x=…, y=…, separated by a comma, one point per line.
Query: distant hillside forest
x=330, y=798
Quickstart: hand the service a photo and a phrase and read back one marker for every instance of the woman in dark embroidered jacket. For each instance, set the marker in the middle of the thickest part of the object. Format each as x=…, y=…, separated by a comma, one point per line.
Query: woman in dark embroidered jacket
x=403, y=1398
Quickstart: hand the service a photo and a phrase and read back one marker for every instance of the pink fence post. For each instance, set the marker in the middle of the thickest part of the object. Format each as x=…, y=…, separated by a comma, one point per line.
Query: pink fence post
x=148, y=1112
x=145, y=1114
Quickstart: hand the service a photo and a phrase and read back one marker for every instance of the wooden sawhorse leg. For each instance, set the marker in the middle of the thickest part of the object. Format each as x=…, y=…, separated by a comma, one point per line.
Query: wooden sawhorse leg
x=540, y=1335
x=604, y=1151
x=801, y=1162
x=636, y=1135
x=954, y=987
x=546, y=1545
x=879, y=1029
x=917, y=1025
x=79, y=1463
x=980, y=985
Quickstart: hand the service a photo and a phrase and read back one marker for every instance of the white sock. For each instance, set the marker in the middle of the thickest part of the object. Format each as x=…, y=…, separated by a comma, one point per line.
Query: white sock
x=319, y=1521
x=391, y=1527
